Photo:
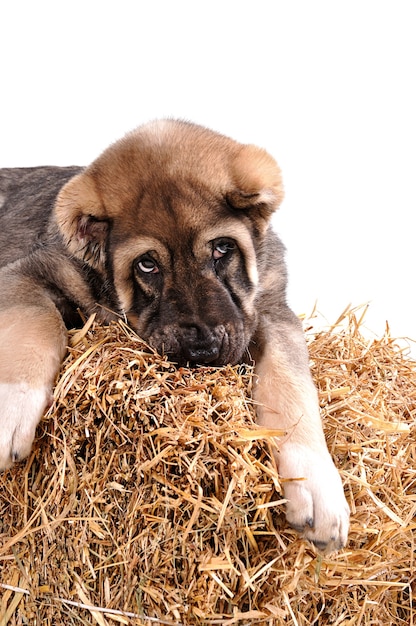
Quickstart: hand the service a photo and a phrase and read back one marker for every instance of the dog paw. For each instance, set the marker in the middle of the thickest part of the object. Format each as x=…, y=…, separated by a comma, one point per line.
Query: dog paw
x=316, y=505
x=21, y=408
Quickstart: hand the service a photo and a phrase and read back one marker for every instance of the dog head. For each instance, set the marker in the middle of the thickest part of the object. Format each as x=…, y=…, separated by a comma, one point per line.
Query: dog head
x=174, y=216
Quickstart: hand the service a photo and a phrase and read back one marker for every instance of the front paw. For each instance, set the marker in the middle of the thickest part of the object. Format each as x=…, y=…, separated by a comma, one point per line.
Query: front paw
x=21, y=408
x=316, y=505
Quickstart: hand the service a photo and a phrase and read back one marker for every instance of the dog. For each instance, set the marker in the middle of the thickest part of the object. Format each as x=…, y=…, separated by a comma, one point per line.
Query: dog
x=169, y=228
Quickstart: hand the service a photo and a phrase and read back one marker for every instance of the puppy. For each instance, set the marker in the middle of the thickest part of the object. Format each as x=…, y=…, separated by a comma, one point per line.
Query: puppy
x=169, y=227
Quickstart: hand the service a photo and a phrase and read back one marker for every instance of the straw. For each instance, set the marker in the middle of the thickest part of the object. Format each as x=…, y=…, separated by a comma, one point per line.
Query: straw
x=151, y=497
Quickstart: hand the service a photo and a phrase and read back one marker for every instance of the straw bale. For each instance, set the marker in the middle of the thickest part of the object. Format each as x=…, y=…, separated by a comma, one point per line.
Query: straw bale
x=151, y=497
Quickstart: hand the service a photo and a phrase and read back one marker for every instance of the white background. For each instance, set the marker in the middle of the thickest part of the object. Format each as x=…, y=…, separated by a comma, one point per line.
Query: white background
x=329, y=88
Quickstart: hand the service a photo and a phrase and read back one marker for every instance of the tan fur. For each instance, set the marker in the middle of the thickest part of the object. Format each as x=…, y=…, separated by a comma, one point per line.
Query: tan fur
x=36, y=358
x=249, y=174
x=79, y=198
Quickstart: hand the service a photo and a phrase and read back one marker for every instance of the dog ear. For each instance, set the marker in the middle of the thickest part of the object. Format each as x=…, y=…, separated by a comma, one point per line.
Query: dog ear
x=82, y=220
x=258, y=184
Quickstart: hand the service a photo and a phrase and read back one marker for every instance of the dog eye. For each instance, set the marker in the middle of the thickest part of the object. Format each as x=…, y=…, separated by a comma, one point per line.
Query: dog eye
x=221, y=248
x=147, y=265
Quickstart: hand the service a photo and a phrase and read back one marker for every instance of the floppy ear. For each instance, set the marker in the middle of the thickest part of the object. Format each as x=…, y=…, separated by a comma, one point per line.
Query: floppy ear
x=82, y=220
x=258, y=184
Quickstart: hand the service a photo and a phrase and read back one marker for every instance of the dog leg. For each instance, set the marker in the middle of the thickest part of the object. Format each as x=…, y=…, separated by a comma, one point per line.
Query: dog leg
x=287, y=400
x=32, y=344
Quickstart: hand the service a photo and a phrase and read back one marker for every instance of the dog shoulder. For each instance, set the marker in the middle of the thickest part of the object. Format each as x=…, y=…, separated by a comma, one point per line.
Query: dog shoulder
x=27, y=196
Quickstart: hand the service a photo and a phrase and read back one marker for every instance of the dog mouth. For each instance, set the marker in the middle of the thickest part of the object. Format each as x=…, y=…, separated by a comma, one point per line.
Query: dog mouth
x=194, y=355
x=197, y=346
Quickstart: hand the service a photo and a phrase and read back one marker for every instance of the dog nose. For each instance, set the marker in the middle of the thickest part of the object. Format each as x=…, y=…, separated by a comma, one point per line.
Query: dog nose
x=199, y=344
x=202, y=355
